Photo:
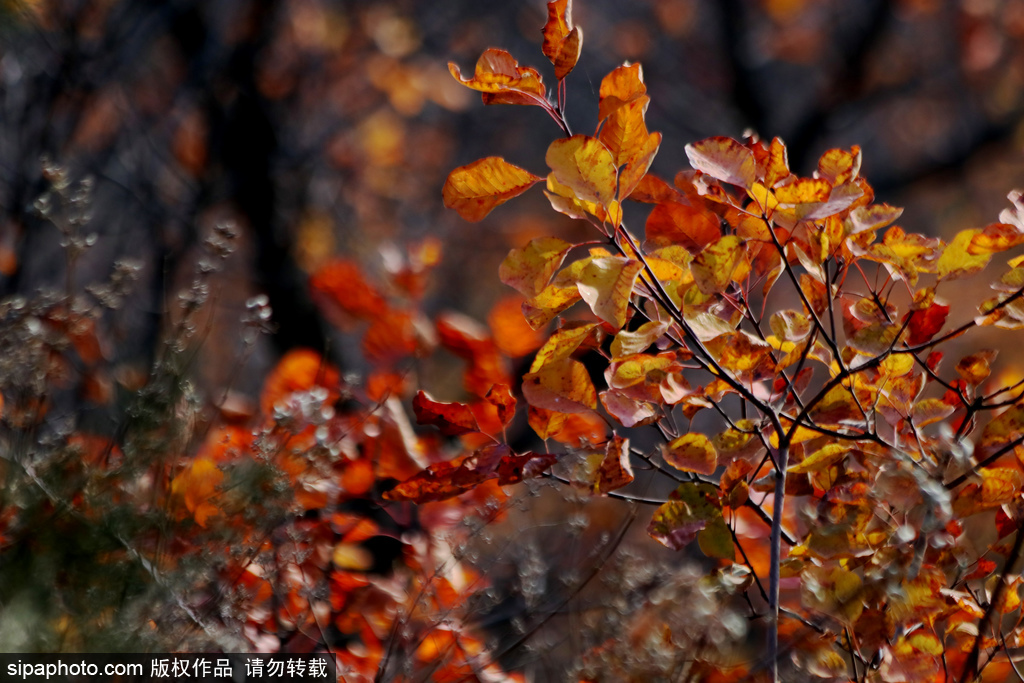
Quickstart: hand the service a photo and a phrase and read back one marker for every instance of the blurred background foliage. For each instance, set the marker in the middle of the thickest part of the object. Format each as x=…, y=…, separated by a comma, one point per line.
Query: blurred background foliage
x=327, y=128
x=324, y=130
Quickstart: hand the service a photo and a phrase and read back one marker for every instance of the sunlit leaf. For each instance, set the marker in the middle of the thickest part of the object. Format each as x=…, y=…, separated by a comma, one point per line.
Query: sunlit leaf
x=476, y=189
x=530, y=269
x=625, y=134
x=820, y=459
x=502, y=81
x=999, y=485
x=584, y=165
x=562, y=40
x=628, y=342
x=606, y=284
x=622, y=85
x=956, y=261
x=996, y=238
x=692, y=452
x=925, y=319
x=839, y=166
x=562, y=386
x=629, y=411
x=562, y=344
x=724, y=159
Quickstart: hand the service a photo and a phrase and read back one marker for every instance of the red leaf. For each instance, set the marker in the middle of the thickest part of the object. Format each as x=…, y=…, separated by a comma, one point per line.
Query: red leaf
x=925, y=324
x=453, y=419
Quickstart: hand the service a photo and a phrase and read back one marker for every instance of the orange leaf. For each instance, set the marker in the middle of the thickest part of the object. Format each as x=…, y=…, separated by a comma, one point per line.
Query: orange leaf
x=562, y=386
x=585, y=166
x=621, y=86
x=653, y=190
x=838, y=166
x=298, y=370
x=995, y=238
x=692, y=453
x=512, y=334
x=502, y=81
x=342, y=284
x=476, y=189
x=633, y=147
x=453, y=419
x=390, y=338
x=529, y=270
x=725, y=159
x=675, y=223
x=196, y=486
x=562, y=40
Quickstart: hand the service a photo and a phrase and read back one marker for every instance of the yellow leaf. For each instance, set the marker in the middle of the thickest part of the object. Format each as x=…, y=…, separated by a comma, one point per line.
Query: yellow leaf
x=476, y=189
x=713, y=267
x=996, y=238
x=956, y=261
x=627, y=342
x=562, y=344
x=820, y=459
x=529, y=270
x=584, y=165
x=692, y=453
x=562, y=386
x=606, y=284
x=552, y=300
x=196, y=486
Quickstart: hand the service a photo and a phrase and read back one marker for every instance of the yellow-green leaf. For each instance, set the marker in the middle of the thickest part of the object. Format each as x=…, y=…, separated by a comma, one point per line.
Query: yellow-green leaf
x=957, y=261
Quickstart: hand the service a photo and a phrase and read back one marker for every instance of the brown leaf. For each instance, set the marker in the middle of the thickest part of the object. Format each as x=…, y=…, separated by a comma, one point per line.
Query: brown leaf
x=724, y=159
x=530, y=269
x=676, y=223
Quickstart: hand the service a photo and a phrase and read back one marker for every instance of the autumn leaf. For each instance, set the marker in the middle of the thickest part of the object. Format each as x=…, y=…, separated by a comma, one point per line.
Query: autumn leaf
x=502, y=81
x=693, y=511
x=513, y=335
x=476, y=189
x=341, y=284
x=676, y=223
x=530, y=269
x=562, y=40
x=692, y=453
x=615, y=470
x=448, y=479
x=500, y=396
x=925, y=321
x=820, y=459
x=956, y=260
x=197, y=486
x=622, y=85
x=298, y=370
x=584, y=165
x=453, y=419
x=713, y=267
x=724, y=159
x=628, y=342
x=562, y=344
x=627, y=409
x=838, y=166
x=606, y=284
x=562, y=386
x=995, y=238
x=625, y=135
